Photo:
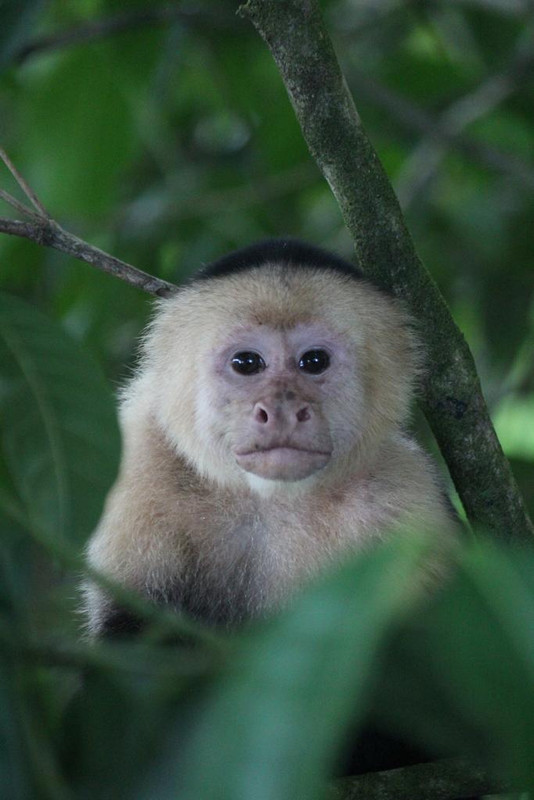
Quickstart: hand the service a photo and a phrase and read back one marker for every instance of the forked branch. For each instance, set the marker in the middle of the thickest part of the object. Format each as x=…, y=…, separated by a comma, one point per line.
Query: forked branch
x=43, y=230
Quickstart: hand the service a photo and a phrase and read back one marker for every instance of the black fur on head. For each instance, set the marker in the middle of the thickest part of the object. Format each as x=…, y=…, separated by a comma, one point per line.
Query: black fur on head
x=287, y=251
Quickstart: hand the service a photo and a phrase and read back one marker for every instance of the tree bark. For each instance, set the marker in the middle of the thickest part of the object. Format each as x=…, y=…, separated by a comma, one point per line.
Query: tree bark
x=46, y=232
x=450, y=396
x=449, y=779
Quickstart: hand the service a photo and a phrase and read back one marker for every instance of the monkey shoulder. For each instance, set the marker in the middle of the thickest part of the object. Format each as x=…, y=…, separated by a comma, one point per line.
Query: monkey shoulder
x=399, y=488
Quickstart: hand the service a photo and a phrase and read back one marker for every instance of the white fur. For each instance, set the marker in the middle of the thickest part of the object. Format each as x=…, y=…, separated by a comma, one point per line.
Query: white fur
x=184, y=514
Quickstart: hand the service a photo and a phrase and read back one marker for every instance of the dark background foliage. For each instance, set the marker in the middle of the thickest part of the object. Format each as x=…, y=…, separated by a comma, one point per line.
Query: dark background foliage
x=162, y=133
x=171, y=141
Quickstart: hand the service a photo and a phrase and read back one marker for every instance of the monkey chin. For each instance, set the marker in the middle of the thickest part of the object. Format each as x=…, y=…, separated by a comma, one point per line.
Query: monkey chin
x=283, y=463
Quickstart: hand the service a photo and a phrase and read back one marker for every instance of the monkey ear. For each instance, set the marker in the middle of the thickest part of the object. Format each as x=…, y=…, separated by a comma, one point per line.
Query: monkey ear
x=412, y=349
x=394, y=360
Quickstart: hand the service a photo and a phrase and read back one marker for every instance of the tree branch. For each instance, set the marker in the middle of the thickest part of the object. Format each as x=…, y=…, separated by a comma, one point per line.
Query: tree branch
x=112, y=25
x=49, y=234
x=413, y=117
x=45, y=231
x=440, y=780
x=451, y=396
x=28, y=191
x=425, y=160
x=406, y=112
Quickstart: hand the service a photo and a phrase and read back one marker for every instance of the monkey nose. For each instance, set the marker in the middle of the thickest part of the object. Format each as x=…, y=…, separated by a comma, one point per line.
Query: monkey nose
x=261, y=414
x=271, y=415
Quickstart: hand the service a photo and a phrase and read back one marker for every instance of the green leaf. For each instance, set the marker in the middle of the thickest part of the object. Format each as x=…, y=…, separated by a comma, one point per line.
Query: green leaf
x=109, y=731
x=273, y=725
x=58, y=425
x=76, y=142
x=488, y=655
x=463, y=678
x=513, y=422
x=14, y=761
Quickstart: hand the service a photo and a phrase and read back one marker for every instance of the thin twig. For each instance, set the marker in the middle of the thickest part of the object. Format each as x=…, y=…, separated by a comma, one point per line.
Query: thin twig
x=99, y=29
x=45, y=231
x=16, y=204
x=427, y=157
x=413, y=117
x=28, y=191
x=48, y=233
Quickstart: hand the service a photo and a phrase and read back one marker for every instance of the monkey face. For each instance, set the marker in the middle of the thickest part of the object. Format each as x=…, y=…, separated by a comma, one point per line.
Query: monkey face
x=271, y=399
x=273, y=384
x=263, y=438
x=277, y=375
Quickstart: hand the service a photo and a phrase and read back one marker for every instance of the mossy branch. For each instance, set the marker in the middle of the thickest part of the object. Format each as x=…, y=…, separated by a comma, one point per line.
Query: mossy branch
x=439, y=780
x=451, y=396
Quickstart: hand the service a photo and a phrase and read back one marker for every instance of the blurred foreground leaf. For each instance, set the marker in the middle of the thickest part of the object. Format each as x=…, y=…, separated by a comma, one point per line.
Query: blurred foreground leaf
x=59, y=432
x=460, y=678
x=272, y=727
x=453, y=673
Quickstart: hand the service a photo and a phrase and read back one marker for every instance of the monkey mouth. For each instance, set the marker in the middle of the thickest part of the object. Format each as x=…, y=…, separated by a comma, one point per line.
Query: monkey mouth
x=283, y=462
x=288, y=447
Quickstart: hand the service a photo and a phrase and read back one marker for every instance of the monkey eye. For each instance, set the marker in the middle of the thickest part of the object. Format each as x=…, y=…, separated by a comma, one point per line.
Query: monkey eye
x=247, y=363
x=314, y=362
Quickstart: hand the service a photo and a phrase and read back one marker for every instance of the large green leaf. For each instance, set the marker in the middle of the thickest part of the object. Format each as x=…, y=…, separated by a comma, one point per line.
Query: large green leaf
x=486, y=652
x=84, y=144
x=462, y=678
x=275, y=721
x=58, y=425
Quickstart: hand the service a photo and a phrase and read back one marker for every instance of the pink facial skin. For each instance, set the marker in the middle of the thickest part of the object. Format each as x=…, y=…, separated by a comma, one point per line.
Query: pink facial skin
x=283, y=432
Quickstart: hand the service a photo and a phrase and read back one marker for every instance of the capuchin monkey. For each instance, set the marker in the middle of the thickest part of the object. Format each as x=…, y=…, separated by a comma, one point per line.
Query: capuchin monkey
x=263, y=439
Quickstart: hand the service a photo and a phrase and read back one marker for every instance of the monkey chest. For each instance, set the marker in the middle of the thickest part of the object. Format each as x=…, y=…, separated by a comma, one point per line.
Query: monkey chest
x=247, y=566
